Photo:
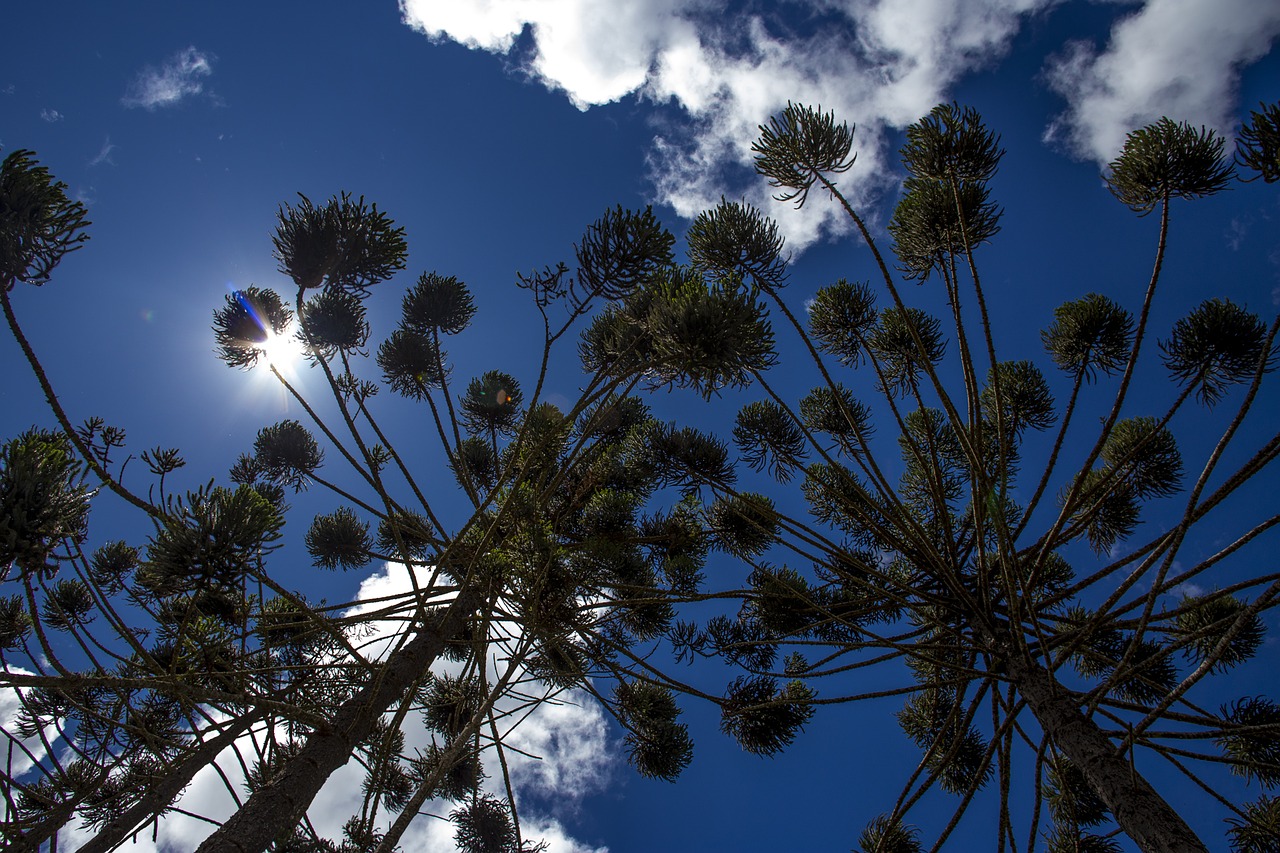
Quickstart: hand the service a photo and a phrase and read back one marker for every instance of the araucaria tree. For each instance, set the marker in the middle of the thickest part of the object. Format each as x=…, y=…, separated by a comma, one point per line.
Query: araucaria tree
x=136, y=666
x=1046, y=645
x=1049, y=647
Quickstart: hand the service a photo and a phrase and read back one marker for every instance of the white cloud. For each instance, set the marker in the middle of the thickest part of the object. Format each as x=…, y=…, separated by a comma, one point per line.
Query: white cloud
x=179, y=77
x=1179, y=58
x=877, y=63
x=51, y=115
x=880, y=64
x=566, y=744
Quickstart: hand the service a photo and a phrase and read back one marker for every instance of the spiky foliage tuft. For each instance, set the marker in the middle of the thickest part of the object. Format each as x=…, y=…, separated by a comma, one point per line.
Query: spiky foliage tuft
x=411, y=363
x=621, y=251
x=885, y=834
x=1168, y=160
x=492, y=403
x=1089, y=335
x=244, y=325
x=1216, y=345
x=287, y=454
x=333, y=321
x=1252, y=741
x=339, y=540
x=39, y=225
x=762, y=717
x=42, y=500
x=484, y=826
x=1258, y=147
x=1218, y=625
x=801, y=146
x=657, y=746
x=437, y=303
x=345, y=244
x=1259, y=830
x=734, y=239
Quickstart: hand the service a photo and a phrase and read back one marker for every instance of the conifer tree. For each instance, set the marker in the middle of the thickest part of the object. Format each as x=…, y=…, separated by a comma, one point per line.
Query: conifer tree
x=1047, y=644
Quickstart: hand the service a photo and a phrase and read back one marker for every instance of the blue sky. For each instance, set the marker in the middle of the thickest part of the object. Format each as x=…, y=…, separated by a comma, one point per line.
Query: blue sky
x=494, y=133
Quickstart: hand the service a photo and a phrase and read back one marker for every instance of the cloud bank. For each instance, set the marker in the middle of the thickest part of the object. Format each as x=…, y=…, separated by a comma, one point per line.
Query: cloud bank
x=1179, y=58
x=181, y=76
x=879, y=64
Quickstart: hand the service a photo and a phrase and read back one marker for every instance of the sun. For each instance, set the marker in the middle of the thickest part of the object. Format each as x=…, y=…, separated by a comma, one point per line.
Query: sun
x=281, y=351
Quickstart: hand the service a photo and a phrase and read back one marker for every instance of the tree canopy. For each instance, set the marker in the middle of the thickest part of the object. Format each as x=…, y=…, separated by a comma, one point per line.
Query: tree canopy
x=883, y=517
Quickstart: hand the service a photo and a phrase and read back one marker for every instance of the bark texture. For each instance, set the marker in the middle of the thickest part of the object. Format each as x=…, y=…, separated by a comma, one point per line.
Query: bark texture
x=278, y=806
x=1142, y=813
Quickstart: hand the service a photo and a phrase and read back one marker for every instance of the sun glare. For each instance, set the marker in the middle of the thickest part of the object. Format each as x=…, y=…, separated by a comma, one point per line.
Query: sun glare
x=281, y=351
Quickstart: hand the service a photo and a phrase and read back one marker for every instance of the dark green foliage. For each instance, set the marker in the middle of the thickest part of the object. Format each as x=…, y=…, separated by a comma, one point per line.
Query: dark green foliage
x=705, y=337
x=956, y=753
x=1025, y=401
x=769, y=439
x=69, y=603
x=781, y=601
x=688, y=458
x=735, y=240
x=1142, y=457
x=339, y=540
x=475, y=460
x=15, y=622
x=1258, y=147
x=1168, y=160
x=903, y=342
x=794, y=149
x=841, y=317
x=1252, y=742
x=935, y=221
x=437, y=303
x=283, y=624
x=1110, y=513
x=287, y=454
x=839, y=415
x=1090, y=334
x=1067, y=839
x=243, y=325
x=744, y=525
x=411, y=363
x=333, y=321
x=888, y=835
x=484, y=826
x=1259, y=830
x=762, y=717
x=345, y=244
x=406, y=535
x=657, y=746
x=1216, y=345
x=621, y=251
x=951, y=143
x=39, y=225
x=1206, y=621
x=449, y=702
x=1148, y=676
x=267, y=768
x=214, y=536
x=42, y=501
x=463, y=775
x=492, y=403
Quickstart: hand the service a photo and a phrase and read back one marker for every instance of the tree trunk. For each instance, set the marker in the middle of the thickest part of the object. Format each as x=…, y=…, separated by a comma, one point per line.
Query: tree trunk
x=1142, y=813
x=278, y=806
x=166, y=790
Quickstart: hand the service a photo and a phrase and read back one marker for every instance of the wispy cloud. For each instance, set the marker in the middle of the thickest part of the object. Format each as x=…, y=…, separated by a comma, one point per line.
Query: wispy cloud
x=51, y=115
x=181, y=76
x=104, y=154
x=1179, y=58
x=879, y=64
